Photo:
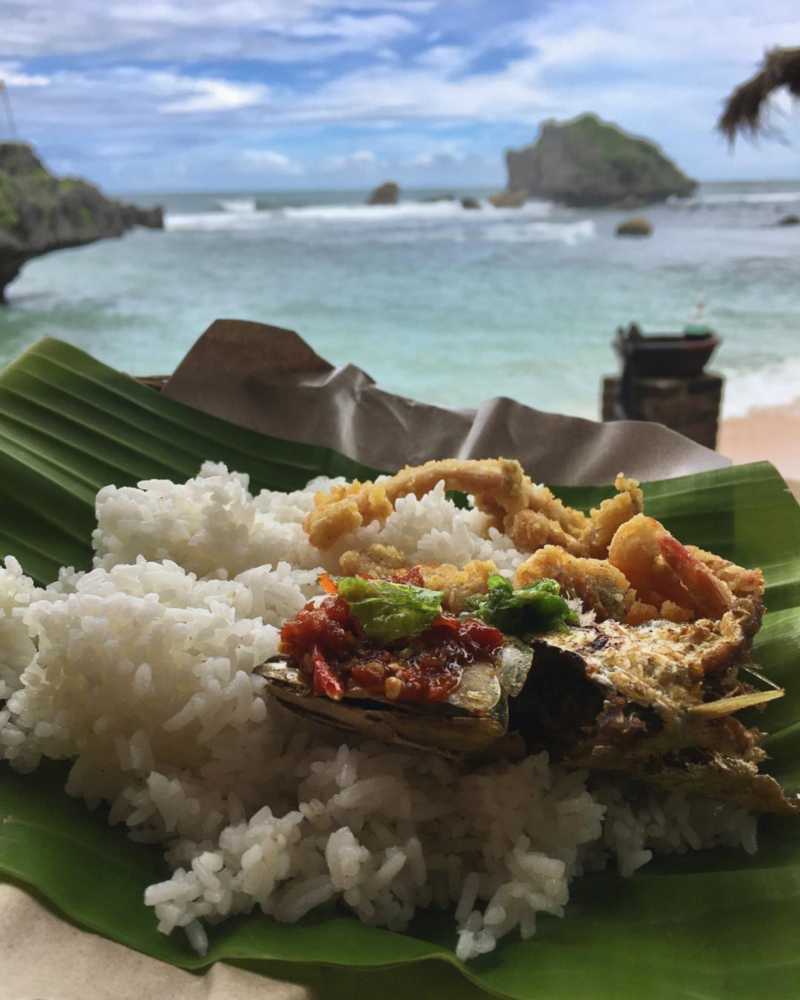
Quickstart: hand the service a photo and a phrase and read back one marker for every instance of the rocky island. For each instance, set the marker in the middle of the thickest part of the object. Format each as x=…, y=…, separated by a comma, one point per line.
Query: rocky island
x=40, y=212
x=387, y=193
x=587, y=162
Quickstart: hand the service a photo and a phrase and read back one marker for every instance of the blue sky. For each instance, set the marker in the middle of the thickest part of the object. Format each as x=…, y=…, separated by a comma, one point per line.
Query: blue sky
x=259, y=94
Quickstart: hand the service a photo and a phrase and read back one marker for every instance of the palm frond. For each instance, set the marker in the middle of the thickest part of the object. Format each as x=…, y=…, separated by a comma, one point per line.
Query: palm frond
x=746, y=110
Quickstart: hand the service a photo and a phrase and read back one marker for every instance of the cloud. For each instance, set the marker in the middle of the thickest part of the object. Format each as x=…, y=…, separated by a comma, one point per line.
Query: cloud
x=264, y=30
x=402, y=94
x=446, y=59
x=209, y=95
x=651, y=35
x=271, y=161
x=362, y=86
x=359, y=159
x=442, y=155
x=11, y=76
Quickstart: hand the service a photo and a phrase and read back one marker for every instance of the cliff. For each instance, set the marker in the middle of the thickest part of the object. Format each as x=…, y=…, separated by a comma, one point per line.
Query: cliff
x=40, y=212
x=589, y=162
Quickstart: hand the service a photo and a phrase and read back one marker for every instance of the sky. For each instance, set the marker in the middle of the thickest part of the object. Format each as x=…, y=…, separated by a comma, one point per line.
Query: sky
x=170, y=95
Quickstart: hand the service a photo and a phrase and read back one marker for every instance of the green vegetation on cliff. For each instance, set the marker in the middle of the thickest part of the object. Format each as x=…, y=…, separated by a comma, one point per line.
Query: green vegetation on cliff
x=587, y=161
x=40, y=212
x=8, y=214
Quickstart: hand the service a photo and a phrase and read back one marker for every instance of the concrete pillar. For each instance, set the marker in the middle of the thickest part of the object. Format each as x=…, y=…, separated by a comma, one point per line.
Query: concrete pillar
x=688, y=405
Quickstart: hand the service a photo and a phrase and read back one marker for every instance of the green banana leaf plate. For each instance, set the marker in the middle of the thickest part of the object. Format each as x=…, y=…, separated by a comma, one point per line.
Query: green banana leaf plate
x=711, y=925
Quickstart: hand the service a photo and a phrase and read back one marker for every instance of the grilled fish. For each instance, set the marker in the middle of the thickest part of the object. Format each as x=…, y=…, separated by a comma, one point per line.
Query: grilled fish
x=655, y=701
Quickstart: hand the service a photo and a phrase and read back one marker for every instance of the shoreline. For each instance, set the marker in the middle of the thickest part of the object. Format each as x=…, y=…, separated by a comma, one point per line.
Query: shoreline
x=771, y=433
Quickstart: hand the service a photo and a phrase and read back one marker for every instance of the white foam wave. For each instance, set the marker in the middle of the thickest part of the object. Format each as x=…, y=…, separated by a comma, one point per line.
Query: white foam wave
x=739, y=198
x=413, y=210
x=237, y=205
x=238, y=214
x=217, y=221
x=773, y=385
x=569, y=233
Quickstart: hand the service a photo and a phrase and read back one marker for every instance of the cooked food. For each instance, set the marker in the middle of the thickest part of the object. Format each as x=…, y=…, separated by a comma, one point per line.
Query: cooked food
x=370, y=694
x=531, y=515
x=650, y=687
x=383, y=658
x=655, y=701
x=603, y=695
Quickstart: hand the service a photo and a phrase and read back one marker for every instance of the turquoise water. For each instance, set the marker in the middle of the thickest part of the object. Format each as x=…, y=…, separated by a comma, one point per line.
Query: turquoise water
x=434, y=301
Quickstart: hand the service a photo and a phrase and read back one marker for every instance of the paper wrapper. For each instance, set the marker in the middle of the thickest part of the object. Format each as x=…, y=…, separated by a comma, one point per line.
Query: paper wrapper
x=270, y=380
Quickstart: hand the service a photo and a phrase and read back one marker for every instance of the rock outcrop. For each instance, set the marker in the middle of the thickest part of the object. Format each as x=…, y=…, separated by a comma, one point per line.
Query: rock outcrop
x=385, y=194
x=513, y=198
x=588, y=162
x=637, y=226
x=470, y=203
x=40, y=212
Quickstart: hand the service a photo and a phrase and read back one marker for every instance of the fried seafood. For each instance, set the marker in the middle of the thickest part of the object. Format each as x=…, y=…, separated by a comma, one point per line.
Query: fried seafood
x=647, y=686
x=662, y=570
x=498, y=486
x=457, y=584
x=744, y=584
x=715, y=775
x=610, y=515
x=530, y=514
x=648, y=700
x=383, y=658
x=381, y=561
x=601, y=587
x=622, y=564
x=649, y=575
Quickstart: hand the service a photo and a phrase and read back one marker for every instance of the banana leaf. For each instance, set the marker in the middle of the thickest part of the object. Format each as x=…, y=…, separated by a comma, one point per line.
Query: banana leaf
x=709, y=925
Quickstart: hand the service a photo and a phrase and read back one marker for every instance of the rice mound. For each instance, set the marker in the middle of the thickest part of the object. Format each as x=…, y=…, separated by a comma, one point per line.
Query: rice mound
x=141, y=672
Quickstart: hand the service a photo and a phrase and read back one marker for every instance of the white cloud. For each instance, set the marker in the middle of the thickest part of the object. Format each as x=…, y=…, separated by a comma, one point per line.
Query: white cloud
x=402, y=94
x=363, y=156
x=271, y=161
x=658, y=67
x=445, y=59
x=11, y=76
x=267, y=30
x=360, y=159
x=652, y=34
x=442, y=155
x=209, y=95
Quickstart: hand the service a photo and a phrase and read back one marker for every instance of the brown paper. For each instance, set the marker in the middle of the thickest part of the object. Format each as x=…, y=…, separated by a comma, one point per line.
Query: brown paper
x=270, y=380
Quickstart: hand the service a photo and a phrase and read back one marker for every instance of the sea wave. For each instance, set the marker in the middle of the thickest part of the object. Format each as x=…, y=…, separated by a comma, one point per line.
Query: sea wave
x=246, y=213
x=414, y=211
x=235, y=206
x=216, y=221
x=727, y=198
x=542, y=232
x=773, y=385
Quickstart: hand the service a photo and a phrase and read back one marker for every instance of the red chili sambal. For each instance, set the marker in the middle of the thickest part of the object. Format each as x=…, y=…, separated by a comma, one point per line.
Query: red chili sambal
x=329, y=646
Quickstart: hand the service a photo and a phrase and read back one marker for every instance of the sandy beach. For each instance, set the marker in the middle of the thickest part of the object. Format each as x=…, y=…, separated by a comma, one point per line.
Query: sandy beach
x=771, y=433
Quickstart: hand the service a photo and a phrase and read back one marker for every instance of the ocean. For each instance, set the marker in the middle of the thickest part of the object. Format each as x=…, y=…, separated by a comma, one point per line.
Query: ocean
x=437, y=302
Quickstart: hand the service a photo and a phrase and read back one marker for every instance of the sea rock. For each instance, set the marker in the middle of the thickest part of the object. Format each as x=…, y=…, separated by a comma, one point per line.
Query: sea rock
x=40, y=212
x=385, y=194
x=789, y=220
x=588, y=162
x=470, y=203
x=513, y=198
x=637, y=226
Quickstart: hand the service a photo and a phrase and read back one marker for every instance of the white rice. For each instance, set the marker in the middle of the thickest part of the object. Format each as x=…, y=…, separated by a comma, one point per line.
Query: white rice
x=141, y=672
